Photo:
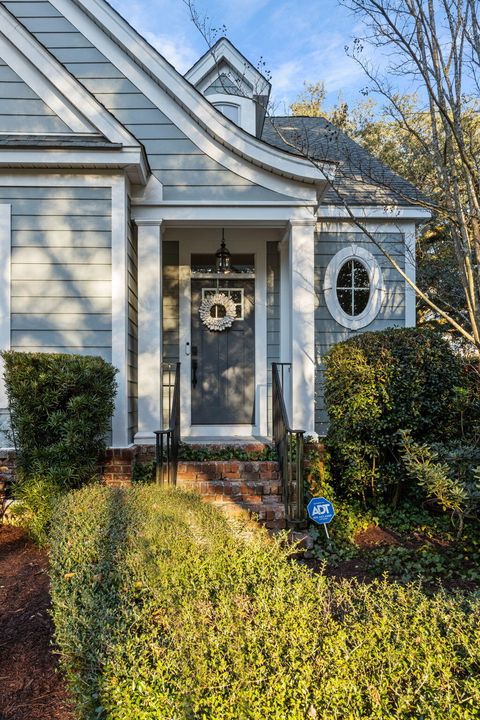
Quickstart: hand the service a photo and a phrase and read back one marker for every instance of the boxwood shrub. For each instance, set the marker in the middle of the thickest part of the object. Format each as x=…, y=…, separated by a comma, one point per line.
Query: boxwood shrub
x=164, y=609
x=378, y=383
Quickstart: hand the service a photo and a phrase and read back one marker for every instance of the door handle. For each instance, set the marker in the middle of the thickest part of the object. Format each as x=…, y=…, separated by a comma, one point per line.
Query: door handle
x=194, y=373
x=187, y=349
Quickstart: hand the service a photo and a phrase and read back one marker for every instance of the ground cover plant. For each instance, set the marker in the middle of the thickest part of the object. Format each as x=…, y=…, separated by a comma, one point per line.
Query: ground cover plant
x=412, y=540
x=60, y=408
x=165, y=609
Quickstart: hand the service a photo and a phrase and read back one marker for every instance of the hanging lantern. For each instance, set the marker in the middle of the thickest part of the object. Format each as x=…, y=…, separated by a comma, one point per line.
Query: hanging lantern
x=223, y=257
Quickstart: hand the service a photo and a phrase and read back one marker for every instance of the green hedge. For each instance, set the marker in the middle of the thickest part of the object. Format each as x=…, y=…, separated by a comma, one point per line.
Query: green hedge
x=60, y=406
x=165, y=610
x=378, y=383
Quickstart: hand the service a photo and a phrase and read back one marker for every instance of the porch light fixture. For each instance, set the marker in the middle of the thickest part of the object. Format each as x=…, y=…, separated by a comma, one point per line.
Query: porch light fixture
x=223, y=257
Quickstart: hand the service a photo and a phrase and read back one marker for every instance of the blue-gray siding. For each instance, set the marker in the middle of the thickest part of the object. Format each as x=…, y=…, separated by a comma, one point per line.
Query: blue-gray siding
x=21, y=110
x=184, y=170
x=327, y=330
x=61, y=269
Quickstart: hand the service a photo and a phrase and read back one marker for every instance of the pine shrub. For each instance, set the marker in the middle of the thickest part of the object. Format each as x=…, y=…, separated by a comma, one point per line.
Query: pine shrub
x=61, y=406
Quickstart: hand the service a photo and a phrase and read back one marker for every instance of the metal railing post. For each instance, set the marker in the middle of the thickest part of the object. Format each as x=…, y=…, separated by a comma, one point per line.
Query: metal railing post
x=290, y=449
x=166, y=450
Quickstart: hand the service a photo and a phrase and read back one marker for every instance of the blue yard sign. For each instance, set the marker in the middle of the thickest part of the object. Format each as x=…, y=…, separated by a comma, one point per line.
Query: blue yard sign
x=321, y=511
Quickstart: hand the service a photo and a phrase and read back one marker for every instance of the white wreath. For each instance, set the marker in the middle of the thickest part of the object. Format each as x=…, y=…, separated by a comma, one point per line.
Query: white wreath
x=221, y=323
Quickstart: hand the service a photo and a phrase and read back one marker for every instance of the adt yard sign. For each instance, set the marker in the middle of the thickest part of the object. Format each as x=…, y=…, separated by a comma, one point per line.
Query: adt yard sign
x=320, y=510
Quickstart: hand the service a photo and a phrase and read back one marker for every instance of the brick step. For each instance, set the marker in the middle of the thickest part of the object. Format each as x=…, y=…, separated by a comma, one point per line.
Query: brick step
x=264, y=491
x=228, y=470
x=271, y=515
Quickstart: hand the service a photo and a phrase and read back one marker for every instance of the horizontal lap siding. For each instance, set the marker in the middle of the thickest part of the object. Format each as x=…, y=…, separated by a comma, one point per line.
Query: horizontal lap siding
x=21, y=110
x=61, y=269
x=132, y=370
x=184, y=170
x=327, y=331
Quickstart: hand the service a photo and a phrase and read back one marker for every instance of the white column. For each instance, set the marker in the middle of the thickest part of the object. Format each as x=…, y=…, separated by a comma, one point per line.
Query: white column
x=120, y=436
x=302, y=284
x=5, y=292
x=286, y=317
x=149, y=329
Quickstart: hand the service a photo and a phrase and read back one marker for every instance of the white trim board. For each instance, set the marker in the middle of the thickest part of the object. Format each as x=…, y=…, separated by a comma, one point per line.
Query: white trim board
x=410, y=238
x=191, y=214
x=223, y=50
x=392, y=213
x=130, y=159
x=55, y=85
x=5, y=293
x=214, y=134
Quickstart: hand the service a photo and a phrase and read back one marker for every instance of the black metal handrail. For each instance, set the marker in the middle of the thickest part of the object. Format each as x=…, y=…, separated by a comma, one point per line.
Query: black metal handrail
x=167, y=441
x=289, y=444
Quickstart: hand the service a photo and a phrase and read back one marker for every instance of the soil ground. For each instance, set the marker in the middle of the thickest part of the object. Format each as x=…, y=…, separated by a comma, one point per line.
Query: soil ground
x=31, y=687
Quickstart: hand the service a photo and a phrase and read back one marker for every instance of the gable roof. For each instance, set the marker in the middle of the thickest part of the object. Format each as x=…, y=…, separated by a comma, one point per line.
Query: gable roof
x=80, y=115
x=183, y=104
x=224, y=52
x=361, y=179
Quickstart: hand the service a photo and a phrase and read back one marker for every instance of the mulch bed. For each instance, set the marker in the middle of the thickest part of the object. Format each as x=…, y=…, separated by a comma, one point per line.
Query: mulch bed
x=31, y=687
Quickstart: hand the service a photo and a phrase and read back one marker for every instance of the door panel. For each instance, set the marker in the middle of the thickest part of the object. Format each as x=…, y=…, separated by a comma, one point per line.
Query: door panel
x=223, y=363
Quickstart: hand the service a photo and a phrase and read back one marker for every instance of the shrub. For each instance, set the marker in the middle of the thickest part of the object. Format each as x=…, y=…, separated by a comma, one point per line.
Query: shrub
x=378, y=383
x=457, y=493
x=60, y=406
x=164, y=609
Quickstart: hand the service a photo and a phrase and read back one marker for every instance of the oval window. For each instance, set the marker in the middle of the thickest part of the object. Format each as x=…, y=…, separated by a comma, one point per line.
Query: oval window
x=353, y=287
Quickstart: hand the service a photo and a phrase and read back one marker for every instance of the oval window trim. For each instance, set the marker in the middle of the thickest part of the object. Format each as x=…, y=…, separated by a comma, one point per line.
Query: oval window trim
x=377, y=288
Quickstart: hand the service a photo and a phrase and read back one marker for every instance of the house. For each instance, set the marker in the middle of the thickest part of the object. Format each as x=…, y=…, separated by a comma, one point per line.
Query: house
x=119, y=181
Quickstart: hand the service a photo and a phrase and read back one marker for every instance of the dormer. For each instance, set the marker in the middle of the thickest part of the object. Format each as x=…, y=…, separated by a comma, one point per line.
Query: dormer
x=232, y=85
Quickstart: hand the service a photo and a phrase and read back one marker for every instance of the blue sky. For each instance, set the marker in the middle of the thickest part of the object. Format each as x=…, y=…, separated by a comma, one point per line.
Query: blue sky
x=297, y=45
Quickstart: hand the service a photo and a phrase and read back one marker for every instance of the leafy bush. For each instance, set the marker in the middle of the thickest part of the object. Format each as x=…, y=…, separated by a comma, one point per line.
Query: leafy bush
x=38, y=497
x=378, y=383
x=459, y=495
x=164, y=609
x=60, y=406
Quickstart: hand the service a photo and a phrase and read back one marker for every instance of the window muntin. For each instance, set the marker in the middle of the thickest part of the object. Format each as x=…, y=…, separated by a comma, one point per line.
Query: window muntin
x=353, y=287
x=236, y=294
x=231, y=111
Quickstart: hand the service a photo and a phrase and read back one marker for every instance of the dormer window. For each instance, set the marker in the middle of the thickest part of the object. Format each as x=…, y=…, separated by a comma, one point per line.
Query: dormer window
x=232, y=85
x=230, y=110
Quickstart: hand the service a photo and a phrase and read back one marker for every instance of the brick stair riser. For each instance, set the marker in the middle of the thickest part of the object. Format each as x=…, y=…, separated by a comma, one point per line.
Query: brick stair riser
x=272, y=517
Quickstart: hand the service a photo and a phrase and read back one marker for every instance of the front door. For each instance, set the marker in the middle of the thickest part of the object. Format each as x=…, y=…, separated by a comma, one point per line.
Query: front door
x=223, y=362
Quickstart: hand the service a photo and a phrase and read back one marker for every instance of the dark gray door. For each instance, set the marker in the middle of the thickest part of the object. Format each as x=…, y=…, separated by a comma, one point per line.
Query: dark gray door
x=223, y=363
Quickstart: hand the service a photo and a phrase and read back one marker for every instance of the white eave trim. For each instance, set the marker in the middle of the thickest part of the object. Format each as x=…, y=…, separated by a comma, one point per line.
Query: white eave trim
x=54, y=85
x=176, y=97
x=390, y=213
x=130, y=159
